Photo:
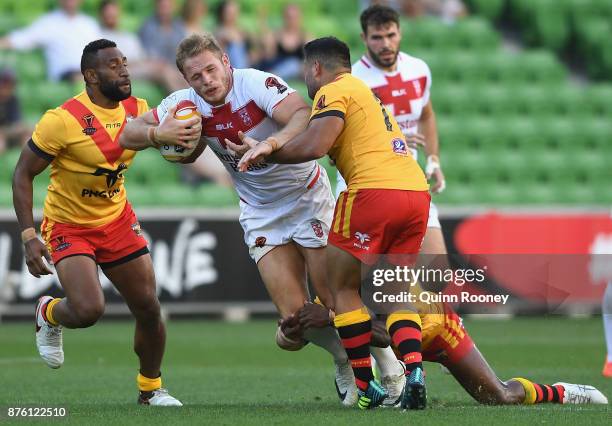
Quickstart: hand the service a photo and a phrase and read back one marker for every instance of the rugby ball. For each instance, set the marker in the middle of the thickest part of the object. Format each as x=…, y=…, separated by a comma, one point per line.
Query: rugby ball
x=185, y=110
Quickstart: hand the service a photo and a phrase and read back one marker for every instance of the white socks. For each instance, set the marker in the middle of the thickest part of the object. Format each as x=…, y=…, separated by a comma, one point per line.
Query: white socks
x=328, y=339
x=387, y=361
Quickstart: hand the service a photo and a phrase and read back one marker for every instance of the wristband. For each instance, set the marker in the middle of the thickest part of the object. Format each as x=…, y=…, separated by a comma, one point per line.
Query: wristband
x=28, y=234
x=152, y=136
x=433, y=163
x=272, y=142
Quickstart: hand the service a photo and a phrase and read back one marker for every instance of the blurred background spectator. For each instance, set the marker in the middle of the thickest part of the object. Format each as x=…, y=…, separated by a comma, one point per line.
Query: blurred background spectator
x=232, y=38
x=62, y=33
x=162, y=32
x=141, y=67
x=13, y=131
x=193, y=14
x=284, y=47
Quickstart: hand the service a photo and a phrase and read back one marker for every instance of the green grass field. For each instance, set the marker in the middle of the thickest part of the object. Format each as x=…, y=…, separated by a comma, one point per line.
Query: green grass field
x=234, y=374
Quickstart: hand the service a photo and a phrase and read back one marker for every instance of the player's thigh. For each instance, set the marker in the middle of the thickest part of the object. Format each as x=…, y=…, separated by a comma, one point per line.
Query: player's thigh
x=316, y=267
x=78, y=276
x=135, y=280
x=283, y=271
x=343, y=270
x=433, y=243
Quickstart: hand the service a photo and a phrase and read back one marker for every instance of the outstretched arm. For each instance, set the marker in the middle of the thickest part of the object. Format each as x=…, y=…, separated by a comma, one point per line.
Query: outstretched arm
x=312, y=144
x=292, y=113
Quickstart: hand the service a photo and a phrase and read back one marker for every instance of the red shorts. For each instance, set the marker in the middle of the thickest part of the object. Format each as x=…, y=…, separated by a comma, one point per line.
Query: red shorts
x=445, y=340
x=108, y=245
x=371, y=222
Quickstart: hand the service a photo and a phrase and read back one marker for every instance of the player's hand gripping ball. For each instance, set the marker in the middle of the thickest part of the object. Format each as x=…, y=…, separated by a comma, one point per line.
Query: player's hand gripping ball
x=185, y=110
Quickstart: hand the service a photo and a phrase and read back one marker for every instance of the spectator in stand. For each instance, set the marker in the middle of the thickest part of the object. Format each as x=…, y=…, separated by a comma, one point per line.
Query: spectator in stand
x=161, y=33
x=154, y=70
x=13, y=131
x=62, y=34
x=286, y=45
x=193, y=13
x=447, y=10
x=233, y=40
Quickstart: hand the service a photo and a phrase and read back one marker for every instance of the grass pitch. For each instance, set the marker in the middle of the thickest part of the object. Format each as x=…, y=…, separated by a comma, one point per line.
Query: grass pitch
x=234, y=374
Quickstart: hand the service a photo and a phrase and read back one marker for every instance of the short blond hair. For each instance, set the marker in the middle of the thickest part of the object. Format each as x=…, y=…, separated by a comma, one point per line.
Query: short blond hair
x=194, y=45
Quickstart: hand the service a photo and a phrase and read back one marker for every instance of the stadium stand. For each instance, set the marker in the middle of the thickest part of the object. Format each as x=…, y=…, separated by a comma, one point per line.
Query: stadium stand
x=513, y=128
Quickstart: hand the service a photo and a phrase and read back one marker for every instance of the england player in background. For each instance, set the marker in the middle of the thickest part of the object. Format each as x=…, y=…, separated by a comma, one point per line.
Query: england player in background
x=285, y=210
x=403, y=83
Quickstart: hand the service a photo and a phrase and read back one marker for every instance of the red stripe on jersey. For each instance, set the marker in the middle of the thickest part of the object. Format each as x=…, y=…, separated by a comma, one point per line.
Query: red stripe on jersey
x=399, y=93
x=92, y=127
x=225, y=123
x=354, y=342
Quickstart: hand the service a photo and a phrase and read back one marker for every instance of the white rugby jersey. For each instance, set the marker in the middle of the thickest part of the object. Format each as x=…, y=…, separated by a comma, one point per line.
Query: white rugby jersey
x=404, y=92
x=248, y=108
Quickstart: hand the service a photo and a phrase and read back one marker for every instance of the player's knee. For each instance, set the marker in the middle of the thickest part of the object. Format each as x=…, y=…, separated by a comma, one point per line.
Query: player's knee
x=88, y=314
x=148, y=312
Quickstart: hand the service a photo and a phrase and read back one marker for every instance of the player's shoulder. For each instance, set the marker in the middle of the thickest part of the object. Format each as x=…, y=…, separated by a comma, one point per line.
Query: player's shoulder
x=254, y=79
x=406, y=61
x=362, y=67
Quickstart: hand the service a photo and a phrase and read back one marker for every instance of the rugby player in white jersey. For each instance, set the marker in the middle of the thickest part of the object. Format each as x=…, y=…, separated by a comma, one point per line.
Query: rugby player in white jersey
x=402, y=82
x=285, y=210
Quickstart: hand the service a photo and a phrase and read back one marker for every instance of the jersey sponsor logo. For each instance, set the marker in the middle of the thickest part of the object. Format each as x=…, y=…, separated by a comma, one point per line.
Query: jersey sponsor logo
x=321, y=103
x=399, y=146
x=361, y=238
x=60, y=244
x=111, y=175
x=99, y=194
x=400, y=92
x=317, y=228
x=112, y=125
x=224, y=126
x=260, y=241
x=89, y=128
x=273, y=82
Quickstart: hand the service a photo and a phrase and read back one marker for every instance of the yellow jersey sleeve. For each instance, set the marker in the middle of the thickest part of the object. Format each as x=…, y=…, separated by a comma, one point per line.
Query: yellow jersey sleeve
x=329, y=101
x=50, y=134
x=143, y=106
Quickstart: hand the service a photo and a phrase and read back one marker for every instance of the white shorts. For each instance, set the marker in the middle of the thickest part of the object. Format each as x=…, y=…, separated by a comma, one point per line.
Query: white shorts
x=432, y=222
x=304, y=218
